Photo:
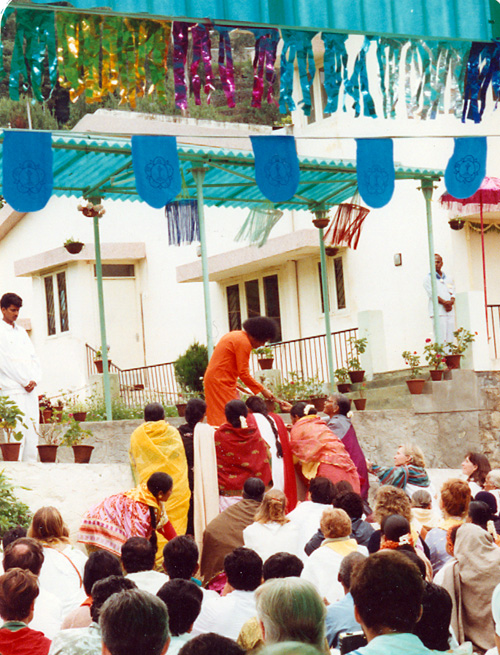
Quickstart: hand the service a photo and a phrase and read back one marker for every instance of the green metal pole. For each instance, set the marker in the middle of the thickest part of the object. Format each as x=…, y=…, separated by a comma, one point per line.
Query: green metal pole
x=102, y=321
x=427, y=189
x=199, y=176
x=326, y=306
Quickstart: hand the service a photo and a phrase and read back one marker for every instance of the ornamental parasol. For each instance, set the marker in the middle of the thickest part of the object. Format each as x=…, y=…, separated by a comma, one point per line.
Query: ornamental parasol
x=486, y=199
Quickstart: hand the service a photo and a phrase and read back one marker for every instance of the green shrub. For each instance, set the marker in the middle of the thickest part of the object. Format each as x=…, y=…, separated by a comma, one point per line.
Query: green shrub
x=190, y=368
x=12, y=511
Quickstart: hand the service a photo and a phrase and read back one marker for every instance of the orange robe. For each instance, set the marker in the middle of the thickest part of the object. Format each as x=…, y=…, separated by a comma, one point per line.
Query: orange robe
x=229, y=362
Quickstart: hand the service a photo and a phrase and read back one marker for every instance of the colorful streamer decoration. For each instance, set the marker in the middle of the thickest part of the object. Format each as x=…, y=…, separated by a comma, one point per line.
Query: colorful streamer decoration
x=266, y=45
x=345, y=227
x=466, y=168
x=297, y=44
x=35, y=42
x=226, y=66
x=335, y=65
x=277, y=170
x=201, y=53
x=375, y=166
x=258, y=225
x=27, y=170
x=357, y=85
x=183, y=222
x=483, y=68
x=156, y=169
x=388, y=55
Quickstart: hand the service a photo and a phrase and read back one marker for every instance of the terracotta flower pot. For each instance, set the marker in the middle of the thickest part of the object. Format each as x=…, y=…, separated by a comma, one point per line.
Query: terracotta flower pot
x=343, y=387
x=319, y=403
x=436, y=374
x=47, y=414
x=181, y=409
x=79, y=416
x=82, y=453
x=10, y=451
x=416, y=385
x=74, y=248
x=356, y=376
x=47, y=452
x=266, y=363
x=98, y=364
x=452, y=361
x=321, y=222
x=360, y=403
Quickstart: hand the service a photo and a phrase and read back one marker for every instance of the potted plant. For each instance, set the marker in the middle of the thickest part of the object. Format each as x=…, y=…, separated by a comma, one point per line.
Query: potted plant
x=342, y=376
x=415, y=383
x=98, y=359
x=314, y=390
x=360, y=403
x=181, y=404
x=358, y=347
x=73, y=246
x=45, y=408
x=73, y=437
x=77, y=410
x=434, y=356
x=455, y=351
x=11, y=422
x=50, y=439
x=190, y=369
x=265, y=355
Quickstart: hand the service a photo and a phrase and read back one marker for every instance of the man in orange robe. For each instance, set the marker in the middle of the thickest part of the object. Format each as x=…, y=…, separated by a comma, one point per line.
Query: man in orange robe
x=229, y=362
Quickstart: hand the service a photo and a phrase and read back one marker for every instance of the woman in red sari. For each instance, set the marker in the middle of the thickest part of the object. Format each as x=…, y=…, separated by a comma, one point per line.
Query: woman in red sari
x=241, y=453
x=319, y=452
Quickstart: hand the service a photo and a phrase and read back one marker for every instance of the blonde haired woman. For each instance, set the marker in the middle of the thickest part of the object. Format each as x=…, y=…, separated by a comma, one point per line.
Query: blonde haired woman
x=272, y=532
x=408, y=472
x=62, y=568
x=323, y=565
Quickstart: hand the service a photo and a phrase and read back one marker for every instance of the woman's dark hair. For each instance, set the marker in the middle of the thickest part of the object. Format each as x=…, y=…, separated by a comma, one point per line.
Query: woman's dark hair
x=154, y=412
x=233, y=410
x=298, y=410
x=196, y=409
x=260, y=328
x=480, y=513
x=489, y=499
x=157, y=483
x=483, y=467
x=258, y=406
x=433, y=627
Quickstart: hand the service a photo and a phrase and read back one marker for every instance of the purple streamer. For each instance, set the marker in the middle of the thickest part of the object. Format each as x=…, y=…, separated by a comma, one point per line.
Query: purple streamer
x=480, y=70
x=180, y=32
x=201, y=52
x=226, y=68
x=266, y=44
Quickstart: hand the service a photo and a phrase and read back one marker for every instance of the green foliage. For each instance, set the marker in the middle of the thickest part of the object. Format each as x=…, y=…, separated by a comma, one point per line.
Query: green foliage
x=75, y=434
x=11, y=419
x=412, y=359
x=190, y=368
x=12, y=511
x=264, y=352
x=298, y=388
x=96, y=409
x=463, y=339
x=434, y=353
x=358, y=347
x=342, y=376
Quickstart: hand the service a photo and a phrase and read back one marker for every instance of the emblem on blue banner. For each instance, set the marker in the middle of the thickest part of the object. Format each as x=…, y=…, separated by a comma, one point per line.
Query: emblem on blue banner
x=156, y=169
x=277, y=170
x=467, y=166
x=375, y=167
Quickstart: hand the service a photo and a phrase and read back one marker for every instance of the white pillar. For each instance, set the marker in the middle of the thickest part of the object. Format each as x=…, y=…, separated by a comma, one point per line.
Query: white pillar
x=470, y=315
x=371, y=325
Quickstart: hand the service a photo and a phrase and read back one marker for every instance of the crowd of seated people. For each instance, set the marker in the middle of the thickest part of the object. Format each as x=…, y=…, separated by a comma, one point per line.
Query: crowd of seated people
x=419, y=574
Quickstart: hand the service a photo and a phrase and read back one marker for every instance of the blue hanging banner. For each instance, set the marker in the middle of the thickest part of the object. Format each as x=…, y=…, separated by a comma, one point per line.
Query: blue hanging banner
x=27, y=170
x=156, y=169
x=277, y=170
x=467, y=166
x=375, y=166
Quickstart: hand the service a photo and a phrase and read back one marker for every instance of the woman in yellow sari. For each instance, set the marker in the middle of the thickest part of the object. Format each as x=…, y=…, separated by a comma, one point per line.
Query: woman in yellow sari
x=157, y=446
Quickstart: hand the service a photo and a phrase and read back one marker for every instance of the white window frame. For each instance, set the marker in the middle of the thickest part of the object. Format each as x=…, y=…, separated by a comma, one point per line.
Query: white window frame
x=332, y=286
x=243, y=299
x=57, y=307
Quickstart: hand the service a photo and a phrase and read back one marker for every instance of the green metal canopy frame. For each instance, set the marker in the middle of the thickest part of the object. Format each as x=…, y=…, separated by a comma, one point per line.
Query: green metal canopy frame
x=101, y=167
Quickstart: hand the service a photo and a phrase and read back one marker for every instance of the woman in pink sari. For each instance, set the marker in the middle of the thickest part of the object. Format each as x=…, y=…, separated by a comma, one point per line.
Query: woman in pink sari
x=318, y=450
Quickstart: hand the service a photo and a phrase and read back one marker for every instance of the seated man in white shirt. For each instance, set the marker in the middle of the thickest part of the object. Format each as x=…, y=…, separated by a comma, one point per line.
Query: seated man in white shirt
x=27, y=554
x=307, y=514
x=183, y=600
x=226, y=614
x=138, y=560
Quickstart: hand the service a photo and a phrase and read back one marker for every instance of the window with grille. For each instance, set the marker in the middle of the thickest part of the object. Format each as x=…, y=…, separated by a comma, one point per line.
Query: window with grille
x=255, y=297
x=336, y=285
x=56, y=303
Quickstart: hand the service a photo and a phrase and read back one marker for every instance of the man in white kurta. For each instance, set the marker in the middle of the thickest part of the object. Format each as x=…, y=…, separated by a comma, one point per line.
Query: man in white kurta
x=19, y=372
x=446, y=300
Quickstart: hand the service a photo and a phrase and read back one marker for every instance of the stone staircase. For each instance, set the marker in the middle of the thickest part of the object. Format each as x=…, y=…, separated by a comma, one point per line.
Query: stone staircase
x=386, y=391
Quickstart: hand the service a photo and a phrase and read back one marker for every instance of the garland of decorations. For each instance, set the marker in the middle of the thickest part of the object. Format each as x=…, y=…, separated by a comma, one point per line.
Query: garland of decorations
x=93, y=56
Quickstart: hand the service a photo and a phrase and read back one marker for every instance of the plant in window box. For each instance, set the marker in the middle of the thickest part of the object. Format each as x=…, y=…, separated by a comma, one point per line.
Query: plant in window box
x=73, y=246
x=415, y=383
x=434, y=356
x=73, y=437
x=98, y=359
x=11, y=423
x=343, y=379
x=265, y=356
x=358, y=347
